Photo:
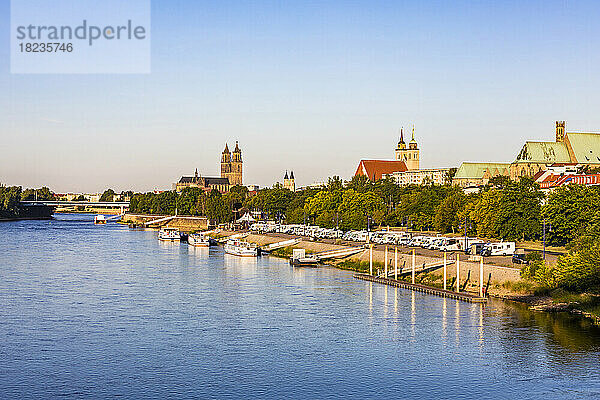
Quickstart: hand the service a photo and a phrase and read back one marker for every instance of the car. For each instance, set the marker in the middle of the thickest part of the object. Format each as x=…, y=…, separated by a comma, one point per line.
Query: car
x=519, y=258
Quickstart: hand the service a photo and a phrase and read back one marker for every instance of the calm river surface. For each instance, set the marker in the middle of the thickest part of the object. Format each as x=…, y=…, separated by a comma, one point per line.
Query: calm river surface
x=102, y=311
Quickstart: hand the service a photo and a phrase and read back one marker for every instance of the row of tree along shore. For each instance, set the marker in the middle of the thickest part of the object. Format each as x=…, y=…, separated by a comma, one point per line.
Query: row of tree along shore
x=10, y=198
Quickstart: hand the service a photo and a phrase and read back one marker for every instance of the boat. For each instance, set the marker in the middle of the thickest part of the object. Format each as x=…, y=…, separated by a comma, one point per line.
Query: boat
x=300, y=259
x=240, y=248
x=198, y=240
x=169, y=235
x=100, y=219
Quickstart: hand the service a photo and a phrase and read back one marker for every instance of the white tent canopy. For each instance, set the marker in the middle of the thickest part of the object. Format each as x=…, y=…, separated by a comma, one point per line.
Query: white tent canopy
x=246, y=218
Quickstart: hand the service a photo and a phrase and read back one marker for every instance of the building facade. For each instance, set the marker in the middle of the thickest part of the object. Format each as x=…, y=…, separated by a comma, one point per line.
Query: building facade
x=231, y=174
x=578, y=148
x=410, y=154
x=203, y=182
x=232, y=165
x=376, y=169
x=289, y=182
x=473, y=174
x=437, y=176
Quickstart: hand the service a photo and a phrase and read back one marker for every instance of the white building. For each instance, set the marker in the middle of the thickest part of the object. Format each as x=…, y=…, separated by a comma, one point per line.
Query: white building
x=420, y=176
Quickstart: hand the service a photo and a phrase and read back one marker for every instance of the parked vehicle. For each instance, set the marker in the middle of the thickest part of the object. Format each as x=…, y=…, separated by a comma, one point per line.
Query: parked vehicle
x=475, y=248
x=519, y=257
x=451, y=244
x=416, y=241
x=498, y=249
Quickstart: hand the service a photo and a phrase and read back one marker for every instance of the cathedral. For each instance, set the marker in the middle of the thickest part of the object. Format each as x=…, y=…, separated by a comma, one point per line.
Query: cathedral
x=231, y=165
x=231, y=174
x=289, y=182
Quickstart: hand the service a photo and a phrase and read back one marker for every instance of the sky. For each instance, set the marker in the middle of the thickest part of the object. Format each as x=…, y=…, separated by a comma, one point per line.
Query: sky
x=308, y=86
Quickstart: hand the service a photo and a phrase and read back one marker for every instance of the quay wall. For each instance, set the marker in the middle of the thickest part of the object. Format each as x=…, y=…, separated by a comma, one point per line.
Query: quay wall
x=183, y=223
x=500, y=274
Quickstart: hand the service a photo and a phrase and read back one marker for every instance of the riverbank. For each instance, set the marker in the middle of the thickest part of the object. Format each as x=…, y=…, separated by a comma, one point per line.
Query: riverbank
x=183, y=223
x=502, y=282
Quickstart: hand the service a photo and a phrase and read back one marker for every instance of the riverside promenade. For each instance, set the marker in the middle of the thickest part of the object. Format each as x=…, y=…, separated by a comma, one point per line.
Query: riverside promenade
x=499, y=274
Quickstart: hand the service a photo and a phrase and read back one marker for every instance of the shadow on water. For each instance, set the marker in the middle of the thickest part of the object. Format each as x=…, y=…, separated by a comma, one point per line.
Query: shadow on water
x=562, y=333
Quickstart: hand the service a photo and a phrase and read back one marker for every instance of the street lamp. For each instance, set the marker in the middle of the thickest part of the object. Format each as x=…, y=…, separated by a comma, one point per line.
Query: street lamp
x=466, y=237
x=549, y=230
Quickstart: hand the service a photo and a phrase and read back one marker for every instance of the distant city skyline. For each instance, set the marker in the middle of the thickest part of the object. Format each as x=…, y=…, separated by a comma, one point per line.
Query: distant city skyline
x=312, y=88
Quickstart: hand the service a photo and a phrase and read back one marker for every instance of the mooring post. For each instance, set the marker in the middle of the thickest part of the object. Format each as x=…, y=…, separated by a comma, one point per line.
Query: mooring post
x=457, y=273
x=481, y=277
x=413, y=266
x=444, y=270
x=386, y=261
x=395, y=263
x=371, y=259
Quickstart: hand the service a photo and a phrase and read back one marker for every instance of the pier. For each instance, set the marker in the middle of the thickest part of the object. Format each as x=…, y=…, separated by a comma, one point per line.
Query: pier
x=468, y=297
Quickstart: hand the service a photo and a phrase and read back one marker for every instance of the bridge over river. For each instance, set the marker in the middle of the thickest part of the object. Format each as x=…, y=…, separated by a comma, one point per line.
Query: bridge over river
x=109, y=205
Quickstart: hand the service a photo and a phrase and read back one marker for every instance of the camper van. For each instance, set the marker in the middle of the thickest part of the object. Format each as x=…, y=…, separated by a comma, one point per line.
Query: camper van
x=451, y=244
x=498, y=249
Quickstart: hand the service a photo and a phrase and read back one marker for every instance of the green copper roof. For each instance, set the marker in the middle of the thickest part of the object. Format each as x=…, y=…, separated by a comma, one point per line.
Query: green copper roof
x=544, y=153
x=586, y=147
x=473, y=170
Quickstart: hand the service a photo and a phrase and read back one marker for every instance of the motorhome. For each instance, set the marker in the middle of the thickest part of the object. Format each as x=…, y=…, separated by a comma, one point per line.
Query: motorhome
x=498, y=249
x=451, y=244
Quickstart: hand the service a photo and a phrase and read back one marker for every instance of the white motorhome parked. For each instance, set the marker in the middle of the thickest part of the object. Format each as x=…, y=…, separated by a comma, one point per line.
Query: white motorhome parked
x=416, y=241
x=451, y=244
x=498, y=249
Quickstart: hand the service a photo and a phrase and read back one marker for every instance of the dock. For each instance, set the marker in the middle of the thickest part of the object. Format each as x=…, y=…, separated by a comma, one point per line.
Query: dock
x=468, y=297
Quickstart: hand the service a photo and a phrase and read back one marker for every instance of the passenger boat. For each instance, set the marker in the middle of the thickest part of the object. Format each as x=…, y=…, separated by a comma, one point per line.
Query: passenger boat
x=99, y=219
x=240, y=248
x=198, y=240
x=169, y=235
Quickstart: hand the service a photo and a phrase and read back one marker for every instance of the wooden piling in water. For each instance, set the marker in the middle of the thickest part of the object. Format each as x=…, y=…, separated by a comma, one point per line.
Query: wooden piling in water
x=395, y=263
x=471, y=298
x=413, y=266
x=386, y=261
x=444, y=271
x=457, y=273
x=371, y=259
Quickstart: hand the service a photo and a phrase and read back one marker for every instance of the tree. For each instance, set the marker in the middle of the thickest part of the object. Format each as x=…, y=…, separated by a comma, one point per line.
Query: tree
x=108, y=195
x=569, y=210
x=216, y=209
x=37, y=194
x=447, y=213
x=359, y=183
x=9, y=201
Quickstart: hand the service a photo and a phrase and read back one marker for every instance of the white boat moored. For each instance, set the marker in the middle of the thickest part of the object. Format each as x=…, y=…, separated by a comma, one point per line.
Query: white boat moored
x=99, y=219
x=169, y=235
x=240, y=248
x=198, y=240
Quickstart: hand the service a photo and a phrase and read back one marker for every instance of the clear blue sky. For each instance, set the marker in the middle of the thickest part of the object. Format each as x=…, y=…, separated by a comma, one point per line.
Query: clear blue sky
x=310, y=86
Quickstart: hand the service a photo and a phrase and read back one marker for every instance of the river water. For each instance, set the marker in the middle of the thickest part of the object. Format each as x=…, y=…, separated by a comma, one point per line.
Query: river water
x=103, y=311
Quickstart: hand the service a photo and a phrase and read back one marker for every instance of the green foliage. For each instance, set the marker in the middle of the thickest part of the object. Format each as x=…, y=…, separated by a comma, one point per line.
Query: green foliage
x=151, y=203
x=9, y=201
x=568, y=212
x=108, y=195
x=512, y=212
x=579, y=269
x=37, y=194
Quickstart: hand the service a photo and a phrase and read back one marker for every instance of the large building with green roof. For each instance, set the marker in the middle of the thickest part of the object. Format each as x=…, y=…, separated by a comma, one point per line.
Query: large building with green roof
x=477, y=174
x=569, y=148
x=579, y=148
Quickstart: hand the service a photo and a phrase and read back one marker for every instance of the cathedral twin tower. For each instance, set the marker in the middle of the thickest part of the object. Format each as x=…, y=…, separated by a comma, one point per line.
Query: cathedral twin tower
x=231, y=165
x=409, y=155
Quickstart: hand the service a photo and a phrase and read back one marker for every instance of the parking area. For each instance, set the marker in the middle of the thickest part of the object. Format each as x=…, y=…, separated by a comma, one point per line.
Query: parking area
x=404, y=242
